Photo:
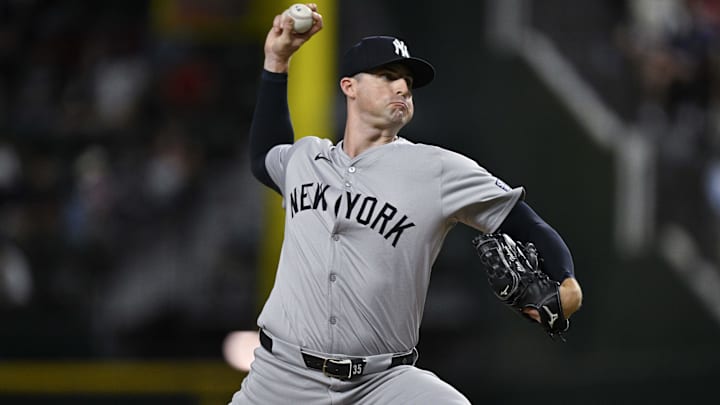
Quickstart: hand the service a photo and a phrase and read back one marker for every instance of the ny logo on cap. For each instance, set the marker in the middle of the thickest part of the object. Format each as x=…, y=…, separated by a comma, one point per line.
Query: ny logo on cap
x=401, y=48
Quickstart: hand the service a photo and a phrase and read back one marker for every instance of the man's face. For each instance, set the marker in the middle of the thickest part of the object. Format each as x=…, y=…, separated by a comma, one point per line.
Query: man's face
x=385, y=94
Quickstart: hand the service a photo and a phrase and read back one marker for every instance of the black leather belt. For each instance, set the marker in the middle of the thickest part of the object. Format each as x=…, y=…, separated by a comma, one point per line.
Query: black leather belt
x=343, y=369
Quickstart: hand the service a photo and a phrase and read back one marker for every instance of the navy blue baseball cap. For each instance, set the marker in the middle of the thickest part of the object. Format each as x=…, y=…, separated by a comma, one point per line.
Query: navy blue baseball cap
x=377, y=51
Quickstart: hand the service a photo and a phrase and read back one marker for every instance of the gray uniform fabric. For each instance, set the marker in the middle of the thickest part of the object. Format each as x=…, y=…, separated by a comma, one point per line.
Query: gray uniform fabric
x=361, y=235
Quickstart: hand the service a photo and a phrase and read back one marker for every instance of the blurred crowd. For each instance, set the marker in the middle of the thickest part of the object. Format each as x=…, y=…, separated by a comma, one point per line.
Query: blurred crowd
x=110, y=131
x=674, y=47
x=656, y=63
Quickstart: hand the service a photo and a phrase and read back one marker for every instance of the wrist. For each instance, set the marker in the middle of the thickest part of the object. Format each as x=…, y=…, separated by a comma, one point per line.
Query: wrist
x=570, y=296
x=276, y=65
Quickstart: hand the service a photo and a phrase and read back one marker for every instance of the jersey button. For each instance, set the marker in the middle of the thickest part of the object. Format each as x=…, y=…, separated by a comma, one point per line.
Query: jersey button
x=336, y=237
x=333, y=321
x=333, y=277
x=351, y=169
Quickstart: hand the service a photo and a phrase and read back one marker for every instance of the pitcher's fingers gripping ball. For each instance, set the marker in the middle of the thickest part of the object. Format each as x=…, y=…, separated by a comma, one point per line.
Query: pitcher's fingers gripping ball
x=302, y=17
x=515, y=277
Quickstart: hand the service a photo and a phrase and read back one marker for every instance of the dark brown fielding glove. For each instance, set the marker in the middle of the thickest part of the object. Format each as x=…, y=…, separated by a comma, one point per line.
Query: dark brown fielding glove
x=515, y=277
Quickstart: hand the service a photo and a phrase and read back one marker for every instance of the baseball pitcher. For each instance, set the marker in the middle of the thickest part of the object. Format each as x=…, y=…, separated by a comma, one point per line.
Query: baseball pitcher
x=365, y=219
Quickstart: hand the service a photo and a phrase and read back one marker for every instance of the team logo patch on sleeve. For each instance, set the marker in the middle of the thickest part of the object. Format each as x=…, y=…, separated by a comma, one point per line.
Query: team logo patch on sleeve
x=502, y=185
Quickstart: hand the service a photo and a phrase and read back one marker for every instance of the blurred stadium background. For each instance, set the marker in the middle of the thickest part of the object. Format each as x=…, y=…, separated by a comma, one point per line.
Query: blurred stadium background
x=133, y=239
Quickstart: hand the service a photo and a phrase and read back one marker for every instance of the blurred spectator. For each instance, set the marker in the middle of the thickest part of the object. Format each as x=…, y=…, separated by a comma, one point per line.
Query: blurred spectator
x=119, y=83
x=171, y=167
x=16, y=284
x=91, y=202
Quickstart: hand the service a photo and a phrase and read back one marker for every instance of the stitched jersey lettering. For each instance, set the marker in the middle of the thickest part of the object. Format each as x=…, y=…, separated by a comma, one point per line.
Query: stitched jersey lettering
x=398, y=229
x=364, y=207
x=359, y=208
x=351, y=202
x=320, y=196
x=384, y=216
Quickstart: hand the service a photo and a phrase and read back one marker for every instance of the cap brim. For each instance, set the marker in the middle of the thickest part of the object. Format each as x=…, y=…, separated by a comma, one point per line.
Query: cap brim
x=422, y=71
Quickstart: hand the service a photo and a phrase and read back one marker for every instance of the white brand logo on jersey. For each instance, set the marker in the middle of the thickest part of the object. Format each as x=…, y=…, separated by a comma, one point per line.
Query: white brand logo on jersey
x=401, y=48
x=553, y=316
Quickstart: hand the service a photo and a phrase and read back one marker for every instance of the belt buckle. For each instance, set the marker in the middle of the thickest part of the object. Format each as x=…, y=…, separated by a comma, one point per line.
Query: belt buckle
x=338, y=362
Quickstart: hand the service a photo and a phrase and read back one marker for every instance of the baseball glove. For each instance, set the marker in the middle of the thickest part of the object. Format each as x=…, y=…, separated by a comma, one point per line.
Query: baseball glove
x=513, y=271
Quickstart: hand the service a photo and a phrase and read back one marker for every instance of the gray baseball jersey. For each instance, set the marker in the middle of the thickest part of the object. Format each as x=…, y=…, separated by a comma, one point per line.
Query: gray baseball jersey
x=361, y=236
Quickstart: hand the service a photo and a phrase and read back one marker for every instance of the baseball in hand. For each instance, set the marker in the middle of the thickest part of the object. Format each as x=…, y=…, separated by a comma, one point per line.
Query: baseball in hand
x=302, y=17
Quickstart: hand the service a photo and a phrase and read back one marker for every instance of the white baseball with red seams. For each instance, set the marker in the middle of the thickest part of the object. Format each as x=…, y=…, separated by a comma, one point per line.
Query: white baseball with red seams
x=302, y=17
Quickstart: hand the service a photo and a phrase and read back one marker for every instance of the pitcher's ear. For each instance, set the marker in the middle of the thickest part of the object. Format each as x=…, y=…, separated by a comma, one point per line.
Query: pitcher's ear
x=347, y=85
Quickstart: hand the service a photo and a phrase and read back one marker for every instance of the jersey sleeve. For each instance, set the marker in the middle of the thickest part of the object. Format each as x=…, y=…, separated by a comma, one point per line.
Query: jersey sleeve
x=276, y=162
x=472, y=195
x=279, y=157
